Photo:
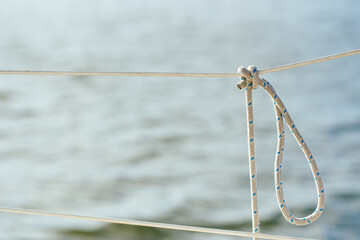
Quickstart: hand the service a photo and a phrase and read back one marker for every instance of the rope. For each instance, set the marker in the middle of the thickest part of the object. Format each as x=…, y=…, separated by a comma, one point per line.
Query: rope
x=250, y=80
x=151, y=224
x=171, y=74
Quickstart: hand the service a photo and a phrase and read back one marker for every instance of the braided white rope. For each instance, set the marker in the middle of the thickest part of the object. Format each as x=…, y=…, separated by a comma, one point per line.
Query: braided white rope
x=250, y=80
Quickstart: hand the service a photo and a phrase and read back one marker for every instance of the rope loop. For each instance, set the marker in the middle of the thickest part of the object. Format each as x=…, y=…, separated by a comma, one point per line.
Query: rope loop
x=250, y=80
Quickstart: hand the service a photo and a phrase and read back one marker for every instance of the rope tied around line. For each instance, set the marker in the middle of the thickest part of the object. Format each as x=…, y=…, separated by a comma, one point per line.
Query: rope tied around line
x=250, y=80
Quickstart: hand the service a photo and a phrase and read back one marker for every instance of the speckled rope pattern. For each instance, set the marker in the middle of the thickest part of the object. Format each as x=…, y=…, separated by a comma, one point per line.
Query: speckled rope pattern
x=250, y=80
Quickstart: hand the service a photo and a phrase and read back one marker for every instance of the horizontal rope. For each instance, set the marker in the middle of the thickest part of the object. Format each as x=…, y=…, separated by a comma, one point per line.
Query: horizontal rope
x=308, y=62
x=150, y=224
x=177, y=74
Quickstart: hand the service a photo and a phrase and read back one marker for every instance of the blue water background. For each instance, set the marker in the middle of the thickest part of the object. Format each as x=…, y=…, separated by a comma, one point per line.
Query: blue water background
x=174, y=149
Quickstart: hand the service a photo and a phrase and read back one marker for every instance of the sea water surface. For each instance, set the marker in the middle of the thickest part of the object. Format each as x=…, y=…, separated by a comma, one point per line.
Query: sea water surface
x=174, y=149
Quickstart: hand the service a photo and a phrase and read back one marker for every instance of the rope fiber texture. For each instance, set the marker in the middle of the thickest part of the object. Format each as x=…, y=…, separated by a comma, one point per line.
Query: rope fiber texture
x=250, y=80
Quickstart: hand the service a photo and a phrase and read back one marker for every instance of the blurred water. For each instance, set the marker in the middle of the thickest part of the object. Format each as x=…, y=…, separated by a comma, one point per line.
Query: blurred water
x=166, y=149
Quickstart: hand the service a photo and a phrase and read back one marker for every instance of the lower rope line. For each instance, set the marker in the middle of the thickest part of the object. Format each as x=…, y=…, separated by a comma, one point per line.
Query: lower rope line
x=151, y=224
x=250, y=80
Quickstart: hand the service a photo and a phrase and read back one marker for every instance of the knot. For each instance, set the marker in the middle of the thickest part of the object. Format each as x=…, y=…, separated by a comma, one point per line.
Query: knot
x=249, y=77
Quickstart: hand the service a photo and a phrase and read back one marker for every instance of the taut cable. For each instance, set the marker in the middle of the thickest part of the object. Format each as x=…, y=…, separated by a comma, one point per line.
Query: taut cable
x=150, y=224
x=250, y=80
x=177, y=74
